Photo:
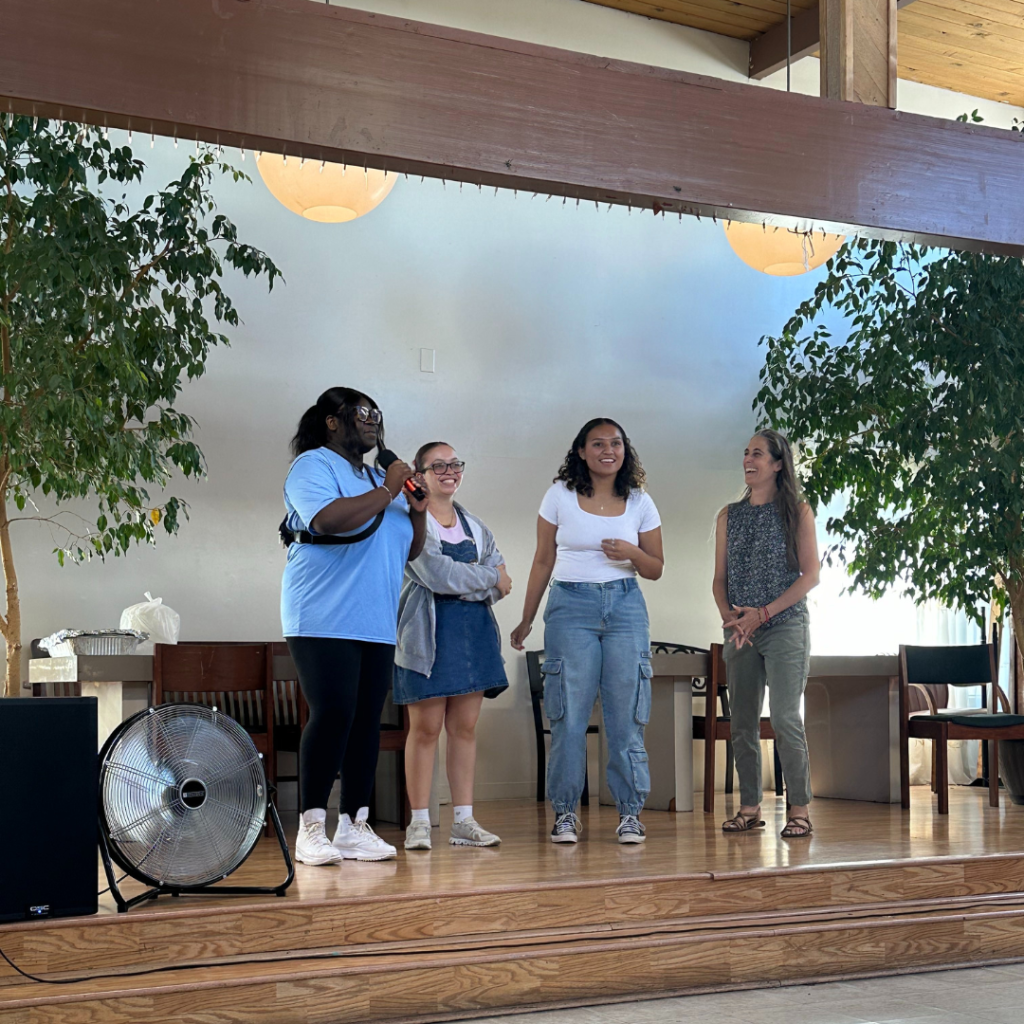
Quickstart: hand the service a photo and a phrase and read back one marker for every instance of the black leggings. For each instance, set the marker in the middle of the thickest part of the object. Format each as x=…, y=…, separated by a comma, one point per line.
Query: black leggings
x=345, y=683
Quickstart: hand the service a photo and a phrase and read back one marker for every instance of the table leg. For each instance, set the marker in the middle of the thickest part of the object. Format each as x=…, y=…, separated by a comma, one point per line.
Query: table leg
x=109, y=709
x=682, y=692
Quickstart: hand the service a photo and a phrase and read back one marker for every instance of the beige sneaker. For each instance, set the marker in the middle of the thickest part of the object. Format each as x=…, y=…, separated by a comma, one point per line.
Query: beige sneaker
x=417, y=836
x=469, y=833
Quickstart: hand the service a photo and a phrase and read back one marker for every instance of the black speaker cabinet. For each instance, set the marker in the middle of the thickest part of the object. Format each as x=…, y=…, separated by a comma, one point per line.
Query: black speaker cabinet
x=48, y=807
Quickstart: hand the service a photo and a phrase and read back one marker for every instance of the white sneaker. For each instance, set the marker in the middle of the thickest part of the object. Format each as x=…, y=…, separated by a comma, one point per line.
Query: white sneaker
x=417, y=836
x=311, y=843
x=357, y=841
x=469, y=833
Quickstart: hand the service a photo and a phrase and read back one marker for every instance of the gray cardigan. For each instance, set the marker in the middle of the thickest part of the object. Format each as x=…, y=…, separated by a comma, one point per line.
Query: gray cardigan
x=434, y=573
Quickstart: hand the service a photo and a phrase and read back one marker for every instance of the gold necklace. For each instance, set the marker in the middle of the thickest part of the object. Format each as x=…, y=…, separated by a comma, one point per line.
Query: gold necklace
x=447, y=526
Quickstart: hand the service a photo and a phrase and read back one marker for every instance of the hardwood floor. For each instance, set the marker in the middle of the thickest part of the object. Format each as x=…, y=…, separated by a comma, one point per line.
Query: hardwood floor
x=677, y=845
x=456, y=931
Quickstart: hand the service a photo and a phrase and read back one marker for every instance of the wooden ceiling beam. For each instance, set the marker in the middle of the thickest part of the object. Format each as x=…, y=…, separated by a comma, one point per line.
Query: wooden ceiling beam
x=768, y=50
x=325, y=82
x=858, y=51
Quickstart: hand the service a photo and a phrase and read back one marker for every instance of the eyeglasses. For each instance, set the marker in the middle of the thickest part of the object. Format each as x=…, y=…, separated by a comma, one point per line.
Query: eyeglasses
x=365, y=415
x=456, y=466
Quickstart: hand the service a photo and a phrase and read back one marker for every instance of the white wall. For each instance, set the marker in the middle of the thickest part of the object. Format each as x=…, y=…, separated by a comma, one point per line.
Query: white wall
x=542, y=316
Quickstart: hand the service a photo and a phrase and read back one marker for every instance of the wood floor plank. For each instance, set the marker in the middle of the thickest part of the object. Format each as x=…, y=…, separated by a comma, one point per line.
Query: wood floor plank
x=530, y=922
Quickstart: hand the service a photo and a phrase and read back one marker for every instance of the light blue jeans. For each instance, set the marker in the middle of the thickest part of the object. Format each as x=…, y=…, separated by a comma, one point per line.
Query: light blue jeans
x=597, y=641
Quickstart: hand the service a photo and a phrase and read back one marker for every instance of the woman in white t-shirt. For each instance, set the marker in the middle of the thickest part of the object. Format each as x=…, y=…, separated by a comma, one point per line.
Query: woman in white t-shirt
x=596, y=532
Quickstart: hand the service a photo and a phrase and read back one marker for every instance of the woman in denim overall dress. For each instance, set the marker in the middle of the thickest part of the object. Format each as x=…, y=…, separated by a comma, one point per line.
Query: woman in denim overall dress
x=449, y=647
x=766, y=561
x=597, y=531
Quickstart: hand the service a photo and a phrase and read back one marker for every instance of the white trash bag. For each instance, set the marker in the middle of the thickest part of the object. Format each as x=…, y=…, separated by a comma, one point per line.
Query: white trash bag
x=152, y=616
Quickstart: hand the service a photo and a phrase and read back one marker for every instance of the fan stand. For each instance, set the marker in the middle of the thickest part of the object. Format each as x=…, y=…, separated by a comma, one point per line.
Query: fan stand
x=123, y=905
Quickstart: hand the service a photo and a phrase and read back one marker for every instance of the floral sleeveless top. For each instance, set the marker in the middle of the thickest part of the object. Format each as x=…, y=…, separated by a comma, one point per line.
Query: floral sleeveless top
x=756, y=566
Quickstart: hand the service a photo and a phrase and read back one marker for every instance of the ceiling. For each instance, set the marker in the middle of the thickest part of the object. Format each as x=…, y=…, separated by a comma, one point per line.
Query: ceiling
x=970, y=46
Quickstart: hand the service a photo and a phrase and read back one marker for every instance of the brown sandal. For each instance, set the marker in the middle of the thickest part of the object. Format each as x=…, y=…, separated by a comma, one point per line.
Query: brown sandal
x=743, y=823
x=795, y=830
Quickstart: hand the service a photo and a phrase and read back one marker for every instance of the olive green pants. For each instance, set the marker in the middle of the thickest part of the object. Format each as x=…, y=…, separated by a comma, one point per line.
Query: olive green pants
x=777, y=657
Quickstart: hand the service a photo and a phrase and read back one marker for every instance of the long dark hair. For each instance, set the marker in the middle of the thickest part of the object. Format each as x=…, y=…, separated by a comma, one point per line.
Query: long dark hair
x=789, y=493
x=576, y=476
x=340, y=403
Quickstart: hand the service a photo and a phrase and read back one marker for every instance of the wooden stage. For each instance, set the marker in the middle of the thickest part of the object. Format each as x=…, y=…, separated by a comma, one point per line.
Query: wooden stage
x=460, y=932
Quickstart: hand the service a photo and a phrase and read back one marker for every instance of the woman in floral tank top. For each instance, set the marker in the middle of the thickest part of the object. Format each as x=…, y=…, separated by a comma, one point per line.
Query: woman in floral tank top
x=766, y=560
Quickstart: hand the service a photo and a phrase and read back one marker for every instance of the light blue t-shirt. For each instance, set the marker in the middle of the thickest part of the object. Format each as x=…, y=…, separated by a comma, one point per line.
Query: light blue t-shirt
x=348, y=591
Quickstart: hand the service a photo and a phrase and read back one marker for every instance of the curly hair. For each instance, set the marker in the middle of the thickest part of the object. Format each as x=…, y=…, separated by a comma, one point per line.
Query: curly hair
x=576, y=476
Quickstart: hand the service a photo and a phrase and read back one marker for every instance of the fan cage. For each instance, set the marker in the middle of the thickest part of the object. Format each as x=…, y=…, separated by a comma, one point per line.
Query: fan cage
x=183, y=796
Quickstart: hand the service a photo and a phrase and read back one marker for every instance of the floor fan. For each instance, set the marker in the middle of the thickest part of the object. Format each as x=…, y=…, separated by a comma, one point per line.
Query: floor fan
x=183, y=800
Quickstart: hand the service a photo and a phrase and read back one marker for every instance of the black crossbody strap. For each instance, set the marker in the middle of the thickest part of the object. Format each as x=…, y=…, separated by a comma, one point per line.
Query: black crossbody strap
x=305, y=537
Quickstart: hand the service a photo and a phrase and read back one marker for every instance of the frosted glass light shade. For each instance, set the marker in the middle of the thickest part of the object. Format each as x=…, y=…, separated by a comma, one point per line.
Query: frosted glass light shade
x=781, y=252
x=328, y=195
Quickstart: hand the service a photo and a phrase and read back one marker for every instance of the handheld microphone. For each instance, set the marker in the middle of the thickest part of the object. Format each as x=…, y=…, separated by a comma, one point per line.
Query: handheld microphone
x=385, y=456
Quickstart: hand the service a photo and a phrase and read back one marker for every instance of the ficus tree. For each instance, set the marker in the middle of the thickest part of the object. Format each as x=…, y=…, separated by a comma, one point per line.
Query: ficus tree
x=106, y=308
x=913, y=413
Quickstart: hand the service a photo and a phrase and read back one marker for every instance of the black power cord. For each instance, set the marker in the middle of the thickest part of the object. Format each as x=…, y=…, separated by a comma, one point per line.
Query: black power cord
x=869, y=914
x=103, y=891
x=182, y=967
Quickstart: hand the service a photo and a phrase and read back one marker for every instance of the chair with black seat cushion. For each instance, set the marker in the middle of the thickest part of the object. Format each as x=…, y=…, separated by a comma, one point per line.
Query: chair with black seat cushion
x=534, y=660
x=712, y=727
x=972, y=665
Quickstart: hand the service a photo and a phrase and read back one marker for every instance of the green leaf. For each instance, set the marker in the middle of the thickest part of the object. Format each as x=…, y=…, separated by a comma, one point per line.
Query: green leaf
x=912, y=418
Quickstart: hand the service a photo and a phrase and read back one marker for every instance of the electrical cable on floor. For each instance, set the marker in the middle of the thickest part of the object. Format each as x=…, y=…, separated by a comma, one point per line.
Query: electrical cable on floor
x=181, y=967
x=337, y=954
x=118, y=882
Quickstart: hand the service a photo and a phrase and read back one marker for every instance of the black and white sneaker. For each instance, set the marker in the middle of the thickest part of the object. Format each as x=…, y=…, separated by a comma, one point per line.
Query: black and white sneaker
x=567, y=828
x=630, y=830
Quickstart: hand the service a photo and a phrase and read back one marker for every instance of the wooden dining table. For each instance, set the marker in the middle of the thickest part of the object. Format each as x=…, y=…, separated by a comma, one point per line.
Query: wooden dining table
x=114, y=679
x=850, y=711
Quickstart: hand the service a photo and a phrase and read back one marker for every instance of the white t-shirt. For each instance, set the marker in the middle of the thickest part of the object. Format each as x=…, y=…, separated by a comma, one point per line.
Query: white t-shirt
x=578, y=539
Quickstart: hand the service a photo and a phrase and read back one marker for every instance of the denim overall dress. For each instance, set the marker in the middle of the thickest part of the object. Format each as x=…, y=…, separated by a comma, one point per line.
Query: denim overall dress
x=467, y=649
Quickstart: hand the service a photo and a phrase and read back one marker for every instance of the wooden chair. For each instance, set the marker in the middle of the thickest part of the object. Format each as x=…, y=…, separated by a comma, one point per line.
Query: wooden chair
x=973, y=665
x=292, y=713
x=394, y=730
x=534, y=660
x=236, y=678
x=713, y=727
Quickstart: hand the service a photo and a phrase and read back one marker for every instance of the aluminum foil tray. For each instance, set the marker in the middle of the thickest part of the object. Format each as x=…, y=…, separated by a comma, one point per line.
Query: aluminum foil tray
x=92, y=641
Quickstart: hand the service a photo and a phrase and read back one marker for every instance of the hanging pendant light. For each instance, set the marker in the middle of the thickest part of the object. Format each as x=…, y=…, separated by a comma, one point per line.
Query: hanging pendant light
x=324, y=192
x=781, y=252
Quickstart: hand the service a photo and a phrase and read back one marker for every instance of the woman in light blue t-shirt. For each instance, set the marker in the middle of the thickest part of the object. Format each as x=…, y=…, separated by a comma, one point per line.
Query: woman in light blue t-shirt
x=352, y=528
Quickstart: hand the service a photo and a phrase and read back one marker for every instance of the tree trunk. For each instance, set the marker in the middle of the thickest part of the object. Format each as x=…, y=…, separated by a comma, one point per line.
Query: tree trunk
x=10, y=626
x=1015, y=590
